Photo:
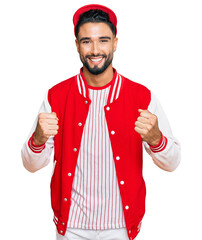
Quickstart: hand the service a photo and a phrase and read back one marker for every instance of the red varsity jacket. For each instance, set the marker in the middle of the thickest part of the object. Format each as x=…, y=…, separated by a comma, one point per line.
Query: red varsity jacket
x=69, y=99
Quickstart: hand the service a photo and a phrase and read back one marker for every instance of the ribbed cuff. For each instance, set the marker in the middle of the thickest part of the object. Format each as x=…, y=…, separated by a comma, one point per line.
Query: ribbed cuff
x=35, y=148
x=160, y=146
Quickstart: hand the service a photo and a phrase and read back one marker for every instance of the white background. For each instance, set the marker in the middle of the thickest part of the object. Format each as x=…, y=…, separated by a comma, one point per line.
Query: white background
x=160, y=47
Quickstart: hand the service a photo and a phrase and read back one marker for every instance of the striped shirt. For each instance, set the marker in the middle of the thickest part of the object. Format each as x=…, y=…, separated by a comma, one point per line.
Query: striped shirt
x=95, y=200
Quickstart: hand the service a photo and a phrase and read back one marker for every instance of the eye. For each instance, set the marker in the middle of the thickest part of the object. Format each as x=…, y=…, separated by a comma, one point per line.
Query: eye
x=104, y=40
x=86, y=41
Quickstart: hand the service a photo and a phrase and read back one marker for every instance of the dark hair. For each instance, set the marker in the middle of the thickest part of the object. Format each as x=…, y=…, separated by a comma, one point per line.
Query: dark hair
x=94, y=16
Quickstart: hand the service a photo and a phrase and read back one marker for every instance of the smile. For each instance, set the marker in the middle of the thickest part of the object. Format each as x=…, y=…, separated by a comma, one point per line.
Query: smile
x=96, y=60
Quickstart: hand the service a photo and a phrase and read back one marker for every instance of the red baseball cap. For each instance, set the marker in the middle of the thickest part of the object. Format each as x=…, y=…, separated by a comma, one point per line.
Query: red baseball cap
x=112, y=15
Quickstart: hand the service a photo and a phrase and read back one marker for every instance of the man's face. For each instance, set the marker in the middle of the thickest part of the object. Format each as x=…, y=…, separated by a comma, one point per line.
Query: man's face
x=96, y=45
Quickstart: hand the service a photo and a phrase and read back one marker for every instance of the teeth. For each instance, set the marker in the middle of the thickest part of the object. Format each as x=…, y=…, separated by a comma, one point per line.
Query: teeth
x=95, y=60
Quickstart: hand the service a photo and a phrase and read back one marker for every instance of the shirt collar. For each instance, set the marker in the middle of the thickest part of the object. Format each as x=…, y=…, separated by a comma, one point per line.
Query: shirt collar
x=115, y=88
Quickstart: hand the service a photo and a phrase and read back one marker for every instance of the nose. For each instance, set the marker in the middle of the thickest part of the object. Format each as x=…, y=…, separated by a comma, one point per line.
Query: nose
x=95, y=48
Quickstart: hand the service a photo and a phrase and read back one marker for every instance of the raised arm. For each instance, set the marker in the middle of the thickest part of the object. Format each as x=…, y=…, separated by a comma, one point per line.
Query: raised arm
x=158, y=140
x=37, y=148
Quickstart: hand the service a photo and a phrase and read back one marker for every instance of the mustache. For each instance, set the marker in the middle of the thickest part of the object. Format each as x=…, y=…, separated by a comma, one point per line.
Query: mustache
x=100, y=55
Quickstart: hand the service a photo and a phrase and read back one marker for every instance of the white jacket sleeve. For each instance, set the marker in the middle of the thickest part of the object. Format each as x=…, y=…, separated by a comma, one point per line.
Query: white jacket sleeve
x=167, y=154
x=33, y=157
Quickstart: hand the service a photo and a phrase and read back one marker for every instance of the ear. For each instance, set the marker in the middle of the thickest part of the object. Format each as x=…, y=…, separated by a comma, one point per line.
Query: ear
x=115, y=42
x=77, y=44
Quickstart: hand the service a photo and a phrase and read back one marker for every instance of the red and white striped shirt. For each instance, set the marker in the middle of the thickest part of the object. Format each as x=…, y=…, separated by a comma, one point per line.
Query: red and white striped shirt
x=96, y=201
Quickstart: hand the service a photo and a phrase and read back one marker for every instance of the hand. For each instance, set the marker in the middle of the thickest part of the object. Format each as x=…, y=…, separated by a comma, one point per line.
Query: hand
x=147, y=126
x=47, y=126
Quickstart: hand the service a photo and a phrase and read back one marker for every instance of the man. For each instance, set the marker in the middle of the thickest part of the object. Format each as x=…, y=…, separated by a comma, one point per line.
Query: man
x=96, y=122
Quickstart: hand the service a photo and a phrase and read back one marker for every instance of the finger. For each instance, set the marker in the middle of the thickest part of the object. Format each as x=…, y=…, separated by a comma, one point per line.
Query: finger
x=140, y=125
x=48, y=116
x=47, y=122
x=53, y=127
x=143, y=120
x=141, y=131
x=144, y=127
x=54, y=114
x=52, y=121
x=146, y=114
x=51, y=132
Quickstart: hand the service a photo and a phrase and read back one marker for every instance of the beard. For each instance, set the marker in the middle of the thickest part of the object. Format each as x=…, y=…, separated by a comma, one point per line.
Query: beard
x=97, y=70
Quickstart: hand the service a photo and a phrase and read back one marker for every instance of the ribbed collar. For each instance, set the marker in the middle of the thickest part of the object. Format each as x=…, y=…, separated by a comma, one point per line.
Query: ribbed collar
x=115, y=84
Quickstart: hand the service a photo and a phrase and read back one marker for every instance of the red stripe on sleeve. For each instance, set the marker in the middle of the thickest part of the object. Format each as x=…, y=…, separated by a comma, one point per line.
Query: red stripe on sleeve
x=35, y=148
x=160, y=146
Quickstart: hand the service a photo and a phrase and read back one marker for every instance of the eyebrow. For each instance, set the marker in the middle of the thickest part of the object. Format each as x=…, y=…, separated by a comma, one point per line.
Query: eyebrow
x=84, y=38
x=105, y=37
x=88, y=38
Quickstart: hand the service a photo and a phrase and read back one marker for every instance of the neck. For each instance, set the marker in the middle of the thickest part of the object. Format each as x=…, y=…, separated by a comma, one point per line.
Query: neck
x=99, y=80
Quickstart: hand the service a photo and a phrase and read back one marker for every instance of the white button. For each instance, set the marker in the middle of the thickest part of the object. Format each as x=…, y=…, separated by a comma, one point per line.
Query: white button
x=80, y=124
x=69, y=174
x=65, y=199
x=63, y=223
x=126, y=207
x=117, y=158
x=61, y=231
x=86, y=102
x=75, y=149
x=129, y=231
x=112, y=132
x=107, y=108
x=121, y=182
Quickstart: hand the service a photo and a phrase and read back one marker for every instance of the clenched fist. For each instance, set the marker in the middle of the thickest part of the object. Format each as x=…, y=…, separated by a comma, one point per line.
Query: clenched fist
x=47, y=126
x=147, y=126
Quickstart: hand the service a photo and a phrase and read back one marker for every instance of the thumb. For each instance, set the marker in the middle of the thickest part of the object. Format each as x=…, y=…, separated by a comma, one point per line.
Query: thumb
x=140, y=110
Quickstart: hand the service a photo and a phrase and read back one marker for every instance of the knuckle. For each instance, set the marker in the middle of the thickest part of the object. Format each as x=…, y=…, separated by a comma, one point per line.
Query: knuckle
x=55, y=132
x=154, y=117
x=40, y=121
x=152, y=123
x=146, y=131
x=41, y=115
x=136, y=129
x=148, y=128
